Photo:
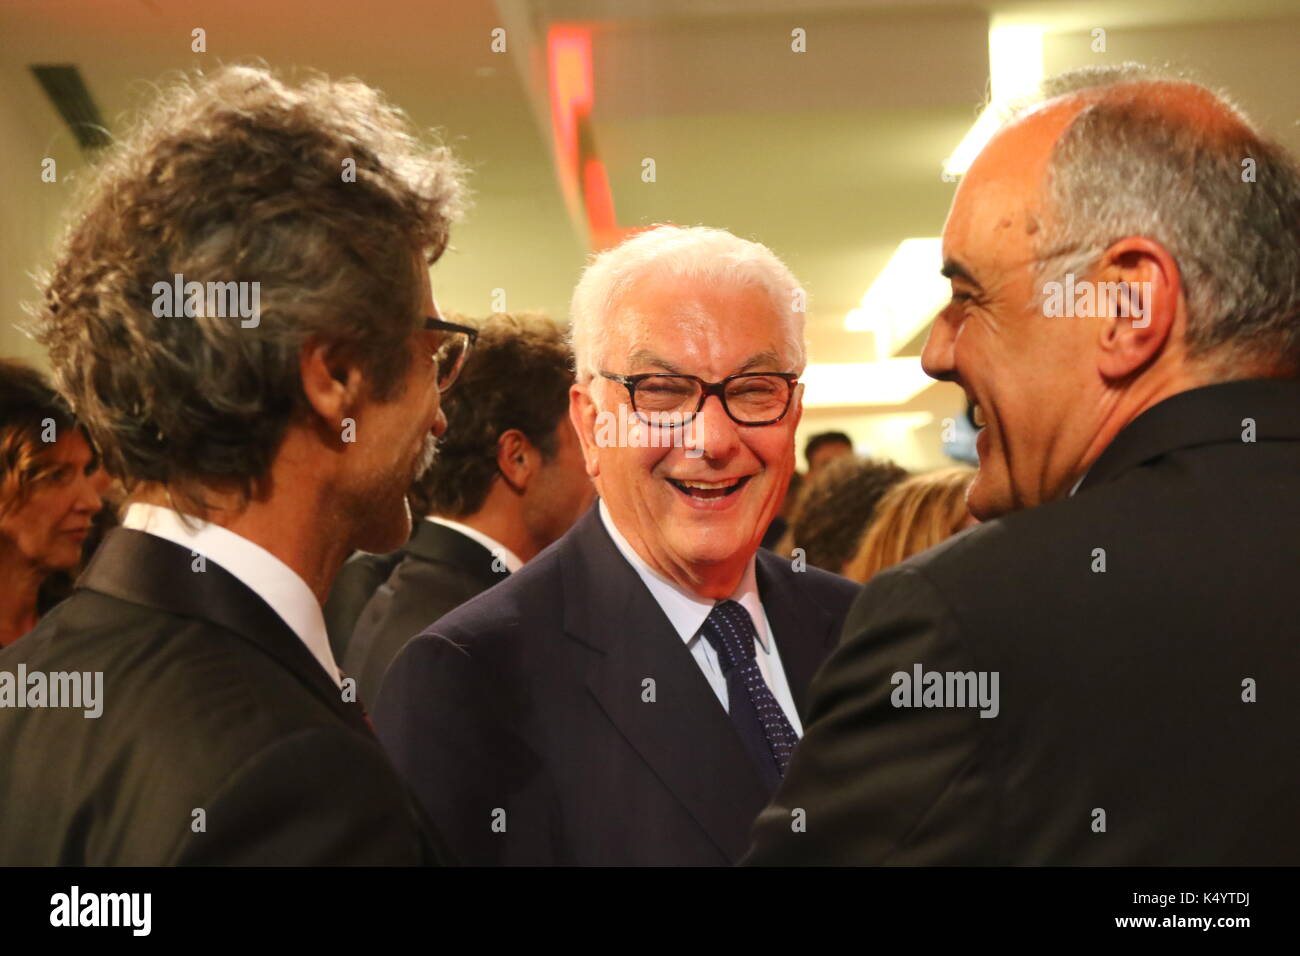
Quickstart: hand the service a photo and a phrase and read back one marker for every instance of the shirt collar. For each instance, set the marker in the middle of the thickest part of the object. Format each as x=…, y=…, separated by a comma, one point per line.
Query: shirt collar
x=499, y=550
x=1078, y=483
x=252, y=565
x=685, y=610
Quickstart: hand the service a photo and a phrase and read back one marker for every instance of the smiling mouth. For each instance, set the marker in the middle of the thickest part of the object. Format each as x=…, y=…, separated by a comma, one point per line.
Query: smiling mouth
x=709, y=489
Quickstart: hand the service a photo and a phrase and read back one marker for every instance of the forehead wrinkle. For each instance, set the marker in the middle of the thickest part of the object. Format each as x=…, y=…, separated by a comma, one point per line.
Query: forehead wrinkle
x=642, y=357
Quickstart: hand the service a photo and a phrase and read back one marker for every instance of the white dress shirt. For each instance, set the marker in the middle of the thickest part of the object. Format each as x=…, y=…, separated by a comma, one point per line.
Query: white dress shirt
x=499, y=550
x=256, y=568
x=687, y=613
x=1079, y=482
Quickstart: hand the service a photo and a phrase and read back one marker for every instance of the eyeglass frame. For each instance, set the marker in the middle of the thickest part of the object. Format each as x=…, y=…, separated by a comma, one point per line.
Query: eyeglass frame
x=433, y=324
x=630, y=382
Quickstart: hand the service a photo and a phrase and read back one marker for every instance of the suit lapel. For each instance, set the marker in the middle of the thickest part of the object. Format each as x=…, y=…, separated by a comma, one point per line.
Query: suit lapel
x=1213, y=414
x=683, y=734
x=803, y=631
x=144, y=569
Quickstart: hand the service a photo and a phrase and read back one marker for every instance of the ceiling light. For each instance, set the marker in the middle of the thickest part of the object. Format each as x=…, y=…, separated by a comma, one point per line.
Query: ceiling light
x=903, y=298
x=890, y=382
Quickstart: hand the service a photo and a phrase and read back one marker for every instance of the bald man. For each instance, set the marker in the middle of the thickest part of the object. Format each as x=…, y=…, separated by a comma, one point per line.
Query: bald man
x=1103, y=671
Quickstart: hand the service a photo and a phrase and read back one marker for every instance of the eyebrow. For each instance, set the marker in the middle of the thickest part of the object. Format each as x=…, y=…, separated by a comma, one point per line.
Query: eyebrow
x=952, y=269
x=645, y=357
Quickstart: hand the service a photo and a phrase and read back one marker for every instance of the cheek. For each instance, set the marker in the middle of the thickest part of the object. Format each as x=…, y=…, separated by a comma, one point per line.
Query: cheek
x=774, y=451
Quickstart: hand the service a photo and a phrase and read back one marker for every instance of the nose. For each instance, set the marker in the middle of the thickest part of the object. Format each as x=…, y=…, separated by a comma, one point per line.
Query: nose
x=711, y=433
x=89, y=490
x=937, y=356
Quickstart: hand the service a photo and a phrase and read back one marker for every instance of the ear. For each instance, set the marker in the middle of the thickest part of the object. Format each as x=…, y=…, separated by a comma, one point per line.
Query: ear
x=518, y=459
x=333, y=383
x=583, y=414
x=1139, y=303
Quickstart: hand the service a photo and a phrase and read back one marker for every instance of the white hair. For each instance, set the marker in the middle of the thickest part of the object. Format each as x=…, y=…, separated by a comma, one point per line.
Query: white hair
x=695, y=253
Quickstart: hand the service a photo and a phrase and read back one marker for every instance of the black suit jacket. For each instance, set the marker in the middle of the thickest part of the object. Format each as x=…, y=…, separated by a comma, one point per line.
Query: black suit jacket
x=210, y=703
x=441, y=570
x=528, y=708
x=356, y=583
x=1121, y=691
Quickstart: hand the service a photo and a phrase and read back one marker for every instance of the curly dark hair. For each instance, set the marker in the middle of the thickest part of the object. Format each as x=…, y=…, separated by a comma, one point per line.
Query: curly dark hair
x=517, y=376
x=240, y=176
x=835, y=506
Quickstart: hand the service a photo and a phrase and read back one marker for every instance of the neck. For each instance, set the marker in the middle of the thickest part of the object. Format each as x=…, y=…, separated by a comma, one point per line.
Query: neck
x=714, y=582
x=1121, y=408
x=502, y=518
x=301, y=529
x=22, y=585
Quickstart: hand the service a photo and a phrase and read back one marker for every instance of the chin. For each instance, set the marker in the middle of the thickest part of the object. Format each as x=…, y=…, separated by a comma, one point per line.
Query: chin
x=985, y=502
x=713, y=546
x=387, y=530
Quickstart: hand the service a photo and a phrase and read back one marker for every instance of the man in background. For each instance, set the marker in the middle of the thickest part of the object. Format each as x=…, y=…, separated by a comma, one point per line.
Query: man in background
x=823, y=448
x=1101, y=672
x=509, y=479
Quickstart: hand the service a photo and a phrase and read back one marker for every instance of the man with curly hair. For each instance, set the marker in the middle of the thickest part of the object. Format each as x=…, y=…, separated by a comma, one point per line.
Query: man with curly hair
x=259, y=450
x=508, y=481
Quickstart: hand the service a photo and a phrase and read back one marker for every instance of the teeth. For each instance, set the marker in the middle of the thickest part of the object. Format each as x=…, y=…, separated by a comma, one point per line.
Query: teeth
x=708, y=485
x=980, y=420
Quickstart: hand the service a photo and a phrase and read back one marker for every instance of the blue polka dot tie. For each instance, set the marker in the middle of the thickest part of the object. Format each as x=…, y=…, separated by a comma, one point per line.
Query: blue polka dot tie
x=758, y=717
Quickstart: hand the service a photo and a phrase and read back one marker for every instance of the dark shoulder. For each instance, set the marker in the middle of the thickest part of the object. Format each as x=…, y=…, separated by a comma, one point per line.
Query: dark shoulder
x=182, y=692
x=532, y=595
x=831, y=591
x=364, y=568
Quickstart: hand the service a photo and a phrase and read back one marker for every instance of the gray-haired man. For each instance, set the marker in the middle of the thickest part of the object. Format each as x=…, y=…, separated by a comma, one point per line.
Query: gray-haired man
x=632, y=694
x=1101, y=672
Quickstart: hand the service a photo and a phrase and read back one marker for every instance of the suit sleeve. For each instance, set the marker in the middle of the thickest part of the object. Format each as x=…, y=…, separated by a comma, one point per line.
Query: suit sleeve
x=325, y=796
x=876, y=783
x=446, y=724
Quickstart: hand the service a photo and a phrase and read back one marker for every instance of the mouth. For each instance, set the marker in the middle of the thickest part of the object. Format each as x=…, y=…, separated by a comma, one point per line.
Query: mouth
x=977, y=415
x=709, y=490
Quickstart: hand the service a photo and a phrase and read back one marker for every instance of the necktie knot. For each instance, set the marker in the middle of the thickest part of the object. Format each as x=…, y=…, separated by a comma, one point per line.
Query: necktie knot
x=731, y=632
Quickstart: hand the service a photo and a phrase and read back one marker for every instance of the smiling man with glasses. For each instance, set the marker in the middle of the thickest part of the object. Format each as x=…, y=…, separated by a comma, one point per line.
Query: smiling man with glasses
x=632, y=695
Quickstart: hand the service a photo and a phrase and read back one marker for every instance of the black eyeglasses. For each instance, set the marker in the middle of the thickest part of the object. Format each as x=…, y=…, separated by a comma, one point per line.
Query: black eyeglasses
x=669, y=400
x=453, y=349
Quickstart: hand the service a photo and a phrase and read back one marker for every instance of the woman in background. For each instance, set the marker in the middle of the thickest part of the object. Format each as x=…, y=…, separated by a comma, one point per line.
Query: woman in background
x=50, y=491
x=914, y=515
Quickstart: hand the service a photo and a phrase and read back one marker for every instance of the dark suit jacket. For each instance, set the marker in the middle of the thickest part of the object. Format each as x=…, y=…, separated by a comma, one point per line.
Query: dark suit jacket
x=211, y=703
x=354, y=586
x=528, y=707
x=1121, y=691
x=441, y=570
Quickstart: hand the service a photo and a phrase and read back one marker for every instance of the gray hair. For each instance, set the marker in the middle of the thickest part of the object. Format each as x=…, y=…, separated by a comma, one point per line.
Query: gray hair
x=1128, y=166
x=696, y=253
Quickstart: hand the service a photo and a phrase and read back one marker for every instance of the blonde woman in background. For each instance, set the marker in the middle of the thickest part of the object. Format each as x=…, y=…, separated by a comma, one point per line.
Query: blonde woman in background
x=914, y=515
